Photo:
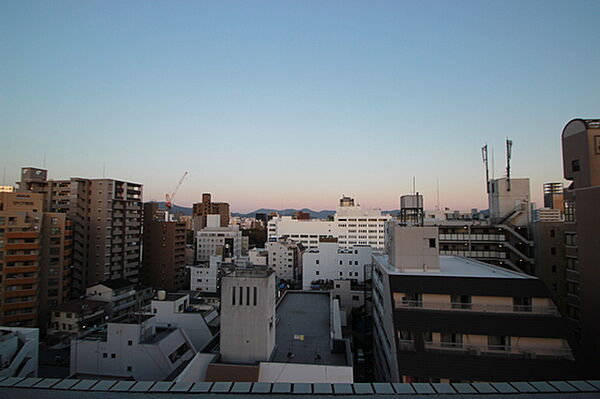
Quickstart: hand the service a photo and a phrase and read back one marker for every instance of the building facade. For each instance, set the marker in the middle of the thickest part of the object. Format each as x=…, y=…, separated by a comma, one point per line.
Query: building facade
x=330, y=261
x=351, y=225
x=215, y=240
x=581, y=166
x=450, y=319
x=163, y=257
x=201, y=210
x=106, y=216
x=285, y=257
x=34, y=259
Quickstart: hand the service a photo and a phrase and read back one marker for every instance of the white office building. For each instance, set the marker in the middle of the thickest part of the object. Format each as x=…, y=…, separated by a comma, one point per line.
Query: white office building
x=351, y=225
x=285, y=257
x=330, y=261
x=215, y=240
x=203, y=276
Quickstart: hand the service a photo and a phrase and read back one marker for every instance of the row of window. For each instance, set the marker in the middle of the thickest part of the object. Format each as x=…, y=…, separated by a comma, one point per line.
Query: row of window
x=240, y=299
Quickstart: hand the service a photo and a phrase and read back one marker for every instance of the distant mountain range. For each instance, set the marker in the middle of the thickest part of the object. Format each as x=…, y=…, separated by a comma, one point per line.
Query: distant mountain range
x=324, y=214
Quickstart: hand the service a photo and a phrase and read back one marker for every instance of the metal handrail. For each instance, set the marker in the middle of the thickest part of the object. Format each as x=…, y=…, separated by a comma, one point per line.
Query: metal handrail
x=478, y=307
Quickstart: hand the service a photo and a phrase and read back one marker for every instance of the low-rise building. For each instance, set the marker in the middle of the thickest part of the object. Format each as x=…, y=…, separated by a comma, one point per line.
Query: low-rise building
x=122, y=296
x=258, y=256
x=74, y=317
x=134, y=347
x=330, y=261
x=175, y=310
x=19, y=352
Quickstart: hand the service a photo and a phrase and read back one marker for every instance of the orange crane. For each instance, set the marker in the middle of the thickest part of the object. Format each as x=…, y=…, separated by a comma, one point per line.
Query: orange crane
x=170, y=197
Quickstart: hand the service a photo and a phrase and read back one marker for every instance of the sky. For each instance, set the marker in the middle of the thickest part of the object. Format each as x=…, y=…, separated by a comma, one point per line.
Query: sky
x=290, y=104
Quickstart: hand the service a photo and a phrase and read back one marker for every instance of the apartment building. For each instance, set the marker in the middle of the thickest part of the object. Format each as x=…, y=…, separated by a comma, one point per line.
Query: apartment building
x=452, y=319
x=34, y=260
x=201, y=210
x=163, y=258
x=74, y=317
x=351, y=225
x=107, y=220
x=330, y=261
x=581, y=166
x=204, y=276
x=285, y=257
x=122, y=296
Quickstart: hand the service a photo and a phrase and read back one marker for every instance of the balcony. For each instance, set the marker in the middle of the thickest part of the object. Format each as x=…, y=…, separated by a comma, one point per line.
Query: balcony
x=500, y=350
x=477, y=307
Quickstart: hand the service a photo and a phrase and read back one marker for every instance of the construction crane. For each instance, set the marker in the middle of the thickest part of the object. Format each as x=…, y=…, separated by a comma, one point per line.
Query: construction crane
x=170, y=197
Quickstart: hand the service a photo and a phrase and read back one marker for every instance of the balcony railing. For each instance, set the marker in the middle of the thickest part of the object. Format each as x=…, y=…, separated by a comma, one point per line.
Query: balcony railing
x=500, y=350
x=478, y=307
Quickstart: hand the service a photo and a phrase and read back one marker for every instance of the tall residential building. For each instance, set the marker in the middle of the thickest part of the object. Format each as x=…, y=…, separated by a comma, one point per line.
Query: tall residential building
x=351, y=225
x=107, y=224
x=163, y=258
x=201, y=210
x=581, y=165
x=285, y=257
x=452, y=319
x=34, y=260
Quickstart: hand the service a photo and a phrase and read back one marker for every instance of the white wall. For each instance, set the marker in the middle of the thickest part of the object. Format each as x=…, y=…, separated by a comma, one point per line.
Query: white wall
x=330, y=262
x=204, y=278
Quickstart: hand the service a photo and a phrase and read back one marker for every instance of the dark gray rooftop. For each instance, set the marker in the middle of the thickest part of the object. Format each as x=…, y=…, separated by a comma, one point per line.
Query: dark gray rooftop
x=304, y=330
x=53, y=388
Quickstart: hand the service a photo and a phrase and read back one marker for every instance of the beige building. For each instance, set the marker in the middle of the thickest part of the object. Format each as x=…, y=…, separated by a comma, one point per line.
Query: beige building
x=34, y=260
x=581, y=165
x=107, y=224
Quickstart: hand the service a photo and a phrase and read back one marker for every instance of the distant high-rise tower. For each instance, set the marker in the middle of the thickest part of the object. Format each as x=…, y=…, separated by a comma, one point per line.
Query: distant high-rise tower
x=201, y=210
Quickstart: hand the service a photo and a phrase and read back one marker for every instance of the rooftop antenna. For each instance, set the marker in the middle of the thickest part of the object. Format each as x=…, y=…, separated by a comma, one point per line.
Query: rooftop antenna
x=437, y=184
x=44, y=166
x=484, y=155
x=4, y=177
x=493, y=167
x=413, y=188
x=509, y=144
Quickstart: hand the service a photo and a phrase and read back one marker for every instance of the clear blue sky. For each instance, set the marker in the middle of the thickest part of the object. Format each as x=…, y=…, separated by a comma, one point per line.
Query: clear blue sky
x=293, y=103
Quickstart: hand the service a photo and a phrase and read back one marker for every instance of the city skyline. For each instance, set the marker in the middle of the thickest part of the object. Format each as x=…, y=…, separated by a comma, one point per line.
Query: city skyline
x=266, y=104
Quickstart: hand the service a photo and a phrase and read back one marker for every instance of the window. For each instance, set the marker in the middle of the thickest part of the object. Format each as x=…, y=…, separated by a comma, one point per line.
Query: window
x=355, y=298
x=428, y=337
x=317, y=273
x=461, y=301
x=498, y=343
x=113, y=355
x=413, y=300
x=432, y=243
x=575, y=165
x=128, y=368
x=553, y=251
x=553, y=268
x=255, y=295
x=248, y=296
x=552, y=233
x=105, y=355
x=451, y=340
x=522, y=304
x=129, y=342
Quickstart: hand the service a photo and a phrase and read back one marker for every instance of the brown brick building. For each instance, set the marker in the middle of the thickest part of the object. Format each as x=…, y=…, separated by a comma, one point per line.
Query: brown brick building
x=202, y=209
x=163, y=257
